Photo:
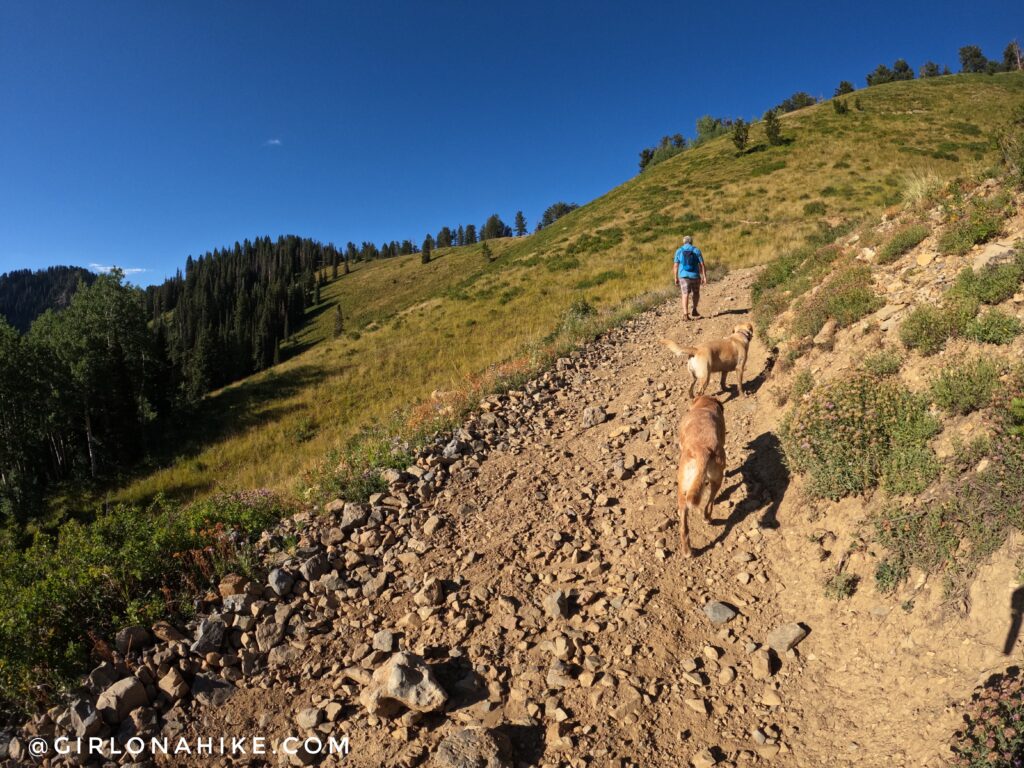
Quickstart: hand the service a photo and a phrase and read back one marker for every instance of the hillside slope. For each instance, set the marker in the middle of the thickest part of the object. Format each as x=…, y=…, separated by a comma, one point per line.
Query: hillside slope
x=412, y=328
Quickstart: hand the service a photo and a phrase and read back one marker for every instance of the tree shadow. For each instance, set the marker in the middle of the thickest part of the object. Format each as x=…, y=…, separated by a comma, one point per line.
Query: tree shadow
x=1016, y=612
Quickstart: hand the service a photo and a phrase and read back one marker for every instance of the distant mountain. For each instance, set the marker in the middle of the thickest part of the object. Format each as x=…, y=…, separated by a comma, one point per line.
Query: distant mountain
x=25, y=295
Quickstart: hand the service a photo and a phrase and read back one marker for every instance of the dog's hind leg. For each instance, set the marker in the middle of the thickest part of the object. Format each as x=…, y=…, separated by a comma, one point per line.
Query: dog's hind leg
x=722, y=386
x=684, y=534
x=716, y=473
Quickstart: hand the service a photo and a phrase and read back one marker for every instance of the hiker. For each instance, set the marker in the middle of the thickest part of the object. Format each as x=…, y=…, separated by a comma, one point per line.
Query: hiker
x=689, y=275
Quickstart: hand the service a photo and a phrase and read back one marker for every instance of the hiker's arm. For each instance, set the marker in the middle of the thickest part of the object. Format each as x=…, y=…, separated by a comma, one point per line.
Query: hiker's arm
x=703, y=273
x=675, y=273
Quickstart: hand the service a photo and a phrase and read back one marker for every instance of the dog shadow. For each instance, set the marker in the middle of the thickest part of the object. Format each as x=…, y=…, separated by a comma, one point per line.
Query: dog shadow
x=737, y=311
x=763, y=470
x=751, y=386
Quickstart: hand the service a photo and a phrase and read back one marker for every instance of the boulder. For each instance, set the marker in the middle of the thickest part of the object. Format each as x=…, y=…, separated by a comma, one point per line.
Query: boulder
x=471, y=748
x=173, y=684
x=403, y=682
x=117, y=701
x=594, y=415
x=132, y=639
x=719, y=613
x=353, y=517
x=280, y=581
x=209, y=636
x=786, y=637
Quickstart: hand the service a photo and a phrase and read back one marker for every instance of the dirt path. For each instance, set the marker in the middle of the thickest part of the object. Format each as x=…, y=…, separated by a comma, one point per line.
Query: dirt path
x=634, y=673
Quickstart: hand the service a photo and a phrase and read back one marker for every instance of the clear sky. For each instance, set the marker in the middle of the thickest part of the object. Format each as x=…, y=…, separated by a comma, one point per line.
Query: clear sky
x=137, y=133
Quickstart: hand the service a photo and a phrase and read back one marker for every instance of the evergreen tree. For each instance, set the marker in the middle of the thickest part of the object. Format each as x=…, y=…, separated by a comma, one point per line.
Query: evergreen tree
x=334, y=265
x=930, y=69
x=798, y=100
x=882, y=74
x=339, y=324
x=1012, y=57
x=460, y=236
x=470, y=234
x=428, y=246
x=521, y=228
x=554, y=212
x=444, y=238
x=844, y=87
x=773, y=127
x=973, y=60
x=494, y=227
x=902, y=71
x=740, y=134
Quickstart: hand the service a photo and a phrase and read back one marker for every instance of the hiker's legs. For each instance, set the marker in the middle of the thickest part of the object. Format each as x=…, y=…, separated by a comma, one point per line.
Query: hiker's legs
x=685, y=297
x=694, y=286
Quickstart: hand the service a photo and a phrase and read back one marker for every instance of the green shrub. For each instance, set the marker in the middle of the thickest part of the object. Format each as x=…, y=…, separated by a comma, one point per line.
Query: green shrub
x=993, y=732
x=126, y=566
x=993, y=285
x=889, y=574
x=965, y=387
x=909, y=469
x=994, y=327
x=841, y=586
x=982, y=221
x=902, y=242
x=885, y=362
x=846, y=295
x=971, y=519
x=843, y=434
x=803, y=383
x=925, y=329
x=354, y=473
x=817, y=208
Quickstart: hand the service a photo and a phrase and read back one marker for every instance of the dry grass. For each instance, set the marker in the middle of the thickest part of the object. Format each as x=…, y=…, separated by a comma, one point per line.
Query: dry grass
x=411, y=329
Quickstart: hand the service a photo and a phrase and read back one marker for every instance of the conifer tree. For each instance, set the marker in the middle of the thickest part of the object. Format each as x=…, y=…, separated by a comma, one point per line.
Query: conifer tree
x=339, y=323
x=428, y=246
x=521, y=228
x=740, y=134
x=773, y=127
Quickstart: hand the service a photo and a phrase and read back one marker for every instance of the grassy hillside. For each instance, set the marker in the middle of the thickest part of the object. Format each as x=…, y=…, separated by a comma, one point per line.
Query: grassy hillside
x=412, y=328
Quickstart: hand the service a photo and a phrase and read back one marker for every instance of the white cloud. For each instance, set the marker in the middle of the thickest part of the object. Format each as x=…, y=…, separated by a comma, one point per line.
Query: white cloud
x=272, y=143
x=126, y=270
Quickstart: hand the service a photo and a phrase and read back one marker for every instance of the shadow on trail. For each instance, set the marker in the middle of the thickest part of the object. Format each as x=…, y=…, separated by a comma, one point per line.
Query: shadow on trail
x=1016, y=611
x=725, y=312
x=765, y=477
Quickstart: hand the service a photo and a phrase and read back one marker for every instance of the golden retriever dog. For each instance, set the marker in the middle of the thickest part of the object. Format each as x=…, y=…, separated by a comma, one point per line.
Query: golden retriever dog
x=720, y=356
x=701, y=462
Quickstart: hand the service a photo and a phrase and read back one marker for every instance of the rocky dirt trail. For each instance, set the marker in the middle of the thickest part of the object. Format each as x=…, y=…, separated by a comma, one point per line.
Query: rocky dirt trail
x=529, y=565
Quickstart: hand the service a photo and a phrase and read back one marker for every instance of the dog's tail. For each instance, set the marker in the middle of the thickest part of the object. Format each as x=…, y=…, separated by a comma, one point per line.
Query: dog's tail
x=695, y=481
x=677, y=350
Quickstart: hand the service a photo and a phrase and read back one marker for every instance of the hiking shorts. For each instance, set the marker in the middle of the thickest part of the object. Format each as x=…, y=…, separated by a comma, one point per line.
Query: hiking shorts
x=690, y=286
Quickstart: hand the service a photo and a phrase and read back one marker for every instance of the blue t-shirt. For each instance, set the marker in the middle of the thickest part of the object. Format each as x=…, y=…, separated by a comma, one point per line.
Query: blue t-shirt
x=689, y=260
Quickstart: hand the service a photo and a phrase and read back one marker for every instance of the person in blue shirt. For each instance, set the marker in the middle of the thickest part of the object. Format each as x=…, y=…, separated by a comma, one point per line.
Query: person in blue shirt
x=689, y=275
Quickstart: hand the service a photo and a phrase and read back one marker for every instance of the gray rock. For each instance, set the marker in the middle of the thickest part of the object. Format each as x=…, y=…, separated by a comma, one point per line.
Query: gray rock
x=353, y=517
x=384, y=641
x=280, y=581
x=209, y=636
x=102, y=677
x=117, y=702
x=403, y=682
x=310, y=718
x=557, y=605
x=786, y=637
x=85, y=720
x=211, y=691
x=374, y=586
x=719, y=613
x=594, y=415
x=471, y=748
x=315, y=567
x=283, y=655
x=132, y=639
x=269, y=634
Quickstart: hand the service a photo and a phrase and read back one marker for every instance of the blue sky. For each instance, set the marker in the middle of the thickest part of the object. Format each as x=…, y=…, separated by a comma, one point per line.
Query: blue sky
x=137, y=133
